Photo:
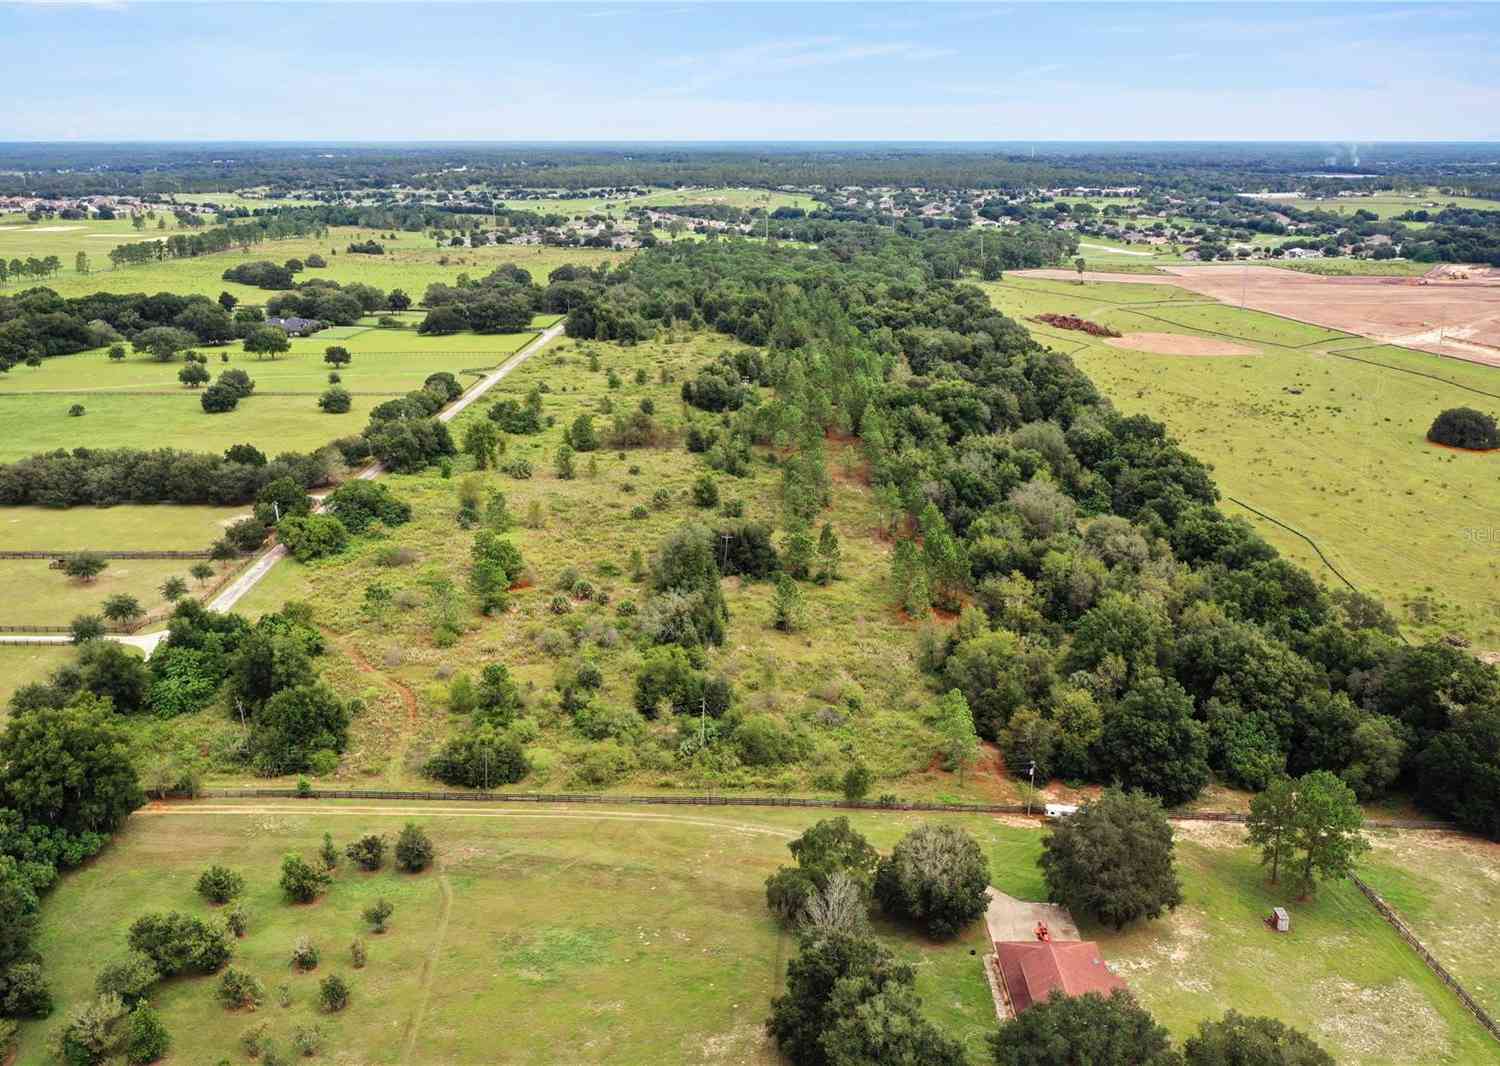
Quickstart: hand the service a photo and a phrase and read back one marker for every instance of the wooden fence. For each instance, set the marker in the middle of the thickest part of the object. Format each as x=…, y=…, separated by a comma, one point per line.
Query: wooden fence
x=431, y=796
x=1389, y=914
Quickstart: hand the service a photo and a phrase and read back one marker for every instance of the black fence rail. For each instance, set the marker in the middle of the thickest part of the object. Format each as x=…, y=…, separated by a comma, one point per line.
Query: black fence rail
x=1389, y=914
x=432, y=796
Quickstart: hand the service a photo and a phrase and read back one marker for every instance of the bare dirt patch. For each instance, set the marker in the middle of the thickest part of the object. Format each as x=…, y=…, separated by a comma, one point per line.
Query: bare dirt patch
x=1178, y=344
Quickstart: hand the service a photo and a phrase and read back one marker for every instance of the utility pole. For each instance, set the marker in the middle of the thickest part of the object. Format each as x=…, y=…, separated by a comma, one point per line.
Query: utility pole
x=702, y=722
x=1031, y=772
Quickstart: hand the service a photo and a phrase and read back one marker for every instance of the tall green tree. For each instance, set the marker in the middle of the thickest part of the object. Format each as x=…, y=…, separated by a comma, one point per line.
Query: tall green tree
x=1327, y=833
x=1083, y=1031
x=955, y=727
x=1112, y=860
x=1272, y=821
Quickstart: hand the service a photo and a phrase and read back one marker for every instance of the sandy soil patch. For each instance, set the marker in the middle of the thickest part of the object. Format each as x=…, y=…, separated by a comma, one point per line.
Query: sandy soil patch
x=1455, y=313
x=1178, y=344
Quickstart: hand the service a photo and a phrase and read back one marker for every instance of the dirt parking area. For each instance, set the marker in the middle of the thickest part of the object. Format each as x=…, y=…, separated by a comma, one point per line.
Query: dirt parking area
x=1011, y=919
x=1451, y=312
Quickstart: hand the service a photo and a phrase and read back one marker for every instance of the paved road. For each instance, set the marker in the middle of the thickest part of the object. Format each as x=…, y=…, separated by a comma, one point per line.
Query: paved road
x=237, y=589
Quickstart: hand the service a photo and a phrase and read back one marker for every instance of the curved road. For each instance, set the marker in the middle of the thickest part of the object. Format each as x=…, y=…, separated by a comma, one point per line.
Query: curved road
x=237, y=589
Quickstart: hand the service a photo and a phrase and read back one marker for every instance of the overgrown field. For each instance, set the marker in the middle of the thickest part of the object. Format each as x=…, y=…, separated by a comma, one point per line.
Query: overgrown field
x=848, y=685
x=652, y=926
x=1317, y=430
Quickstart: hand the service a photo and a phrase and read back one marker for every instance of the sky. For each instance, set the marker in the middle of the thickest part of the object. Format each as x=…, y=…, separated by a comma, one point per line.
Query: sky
x=759, y=71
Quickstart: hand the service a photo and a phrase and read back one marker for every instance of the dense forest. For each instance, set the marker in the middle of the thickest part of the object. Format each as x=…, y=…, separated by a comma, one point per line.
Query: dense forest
x=73, y=170
x=1112, y=623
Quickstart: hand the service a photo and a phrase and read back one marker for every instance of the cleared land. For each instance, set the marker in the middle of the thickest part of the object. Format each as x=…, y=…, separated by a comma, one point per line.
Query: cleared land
x=21, y=664
x=651, y=924
x=125, y=528
x=1453, y=317
x=1326, y=436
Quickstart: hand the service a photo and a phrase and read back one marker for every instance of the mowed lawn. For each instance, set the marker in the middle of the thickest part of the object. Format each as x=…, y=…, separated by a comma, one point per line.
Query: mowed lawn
x=381, y=360
x=1341, y=974
x=21, y=664
x=1446, y=887
x=124, y=528
x=1327, y=436
x=566, y=935
x=38, y=595
x=411, y=262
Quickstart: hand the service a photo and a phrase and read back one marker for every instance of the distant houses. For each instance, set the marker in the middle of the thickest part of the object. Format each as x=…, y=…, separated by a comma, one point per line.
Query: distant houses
x=296, y=327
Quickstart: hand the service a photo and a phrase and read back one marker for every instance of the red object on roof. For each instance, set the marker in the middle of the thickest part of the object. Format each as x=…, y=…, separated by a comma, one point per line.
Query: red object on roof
x=1032, y=970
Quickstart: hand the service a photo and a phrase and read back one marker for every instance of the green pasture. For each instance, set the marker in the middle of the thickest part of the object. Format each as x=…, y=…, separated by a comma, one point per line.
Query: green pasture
x=1233, y=323
x=21, y=664
x=742, y=198
x=40, y=423
x=651, y=924
x=1332, y=446
x=1389, y=204
x=1348, y=268
x=1447, y=889
x=412, y=261
x=38, y=595
x=125, y=528
x=1341, y=974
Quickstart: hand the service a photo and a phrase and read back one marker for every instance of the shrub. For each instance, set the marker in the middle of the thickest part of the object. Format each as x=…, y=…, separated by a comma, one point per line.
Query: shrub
x=75, y=411
x=299, y=881
x=857, y=781
x=180, y=943
x=146, y=1038
x=360, y=503
x=307, y=1040
x=328, y=854
x=304, y=955
x=414, y=849
x=706, y=492
x=218, y=398
x=368, y=852
x=336, y=401
x=239, y=989
x=357, y=954
x=130, y=978
x=1464, y=427
x=237, y=920
x=333, y=993
x=378, y=914
x=219, y=884
x=312, y=536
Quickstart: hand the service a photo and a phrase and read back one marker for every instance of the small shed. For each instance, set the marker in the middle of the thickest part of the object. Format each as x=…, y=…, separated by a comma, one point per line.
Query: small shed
x=1280, y=921
x=1060, y=810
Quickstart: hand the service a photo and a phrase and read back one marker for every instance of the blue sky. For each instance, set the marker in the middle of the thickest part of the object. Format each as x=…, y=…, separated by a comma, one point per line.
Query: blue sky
x=723, y=71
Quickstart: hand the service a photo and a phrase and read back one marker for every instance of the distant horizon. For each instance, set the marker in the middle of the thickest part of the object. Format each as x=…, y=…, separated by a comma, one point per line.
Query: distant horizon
x=1362, y=142
x=737, y=73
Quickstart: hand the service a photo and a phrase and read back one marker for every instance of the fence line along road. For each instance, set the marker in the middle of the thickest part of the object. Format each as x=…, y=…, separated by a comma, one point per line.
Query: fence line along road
x=241, y=586
x=434, y=796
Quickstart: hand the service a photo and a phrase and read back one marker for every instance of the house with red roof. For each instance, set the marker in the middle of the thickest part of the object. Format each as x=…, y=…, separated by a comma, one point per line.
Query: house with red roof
x=1032, y=970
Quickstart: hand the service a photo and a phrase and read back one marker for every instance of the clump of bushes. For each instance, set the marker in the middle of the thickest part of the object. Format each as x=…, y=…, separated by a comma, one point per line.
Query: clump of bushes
x=1464, y=427
x=219, y=884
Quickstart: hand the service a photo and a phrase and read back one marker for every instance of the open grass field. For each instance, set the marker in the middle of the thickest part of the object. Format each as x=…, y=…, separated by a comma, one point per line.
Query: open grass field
x=743, y=198
x=1342, y=974
x=124, y=528
x=21, y=664
x=124, y=405
x=1447, y=889
x=1331, y=445
x=412, y=261
x=36, y=595
x=652, y=925
x=1390, y=204
x=1349, y=268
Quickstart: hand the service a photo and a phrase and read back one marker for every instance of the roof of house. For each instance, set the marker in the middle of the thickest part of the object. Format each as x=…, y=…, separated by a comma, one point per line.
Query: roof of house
x=1033, y=970
x=292, y=323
